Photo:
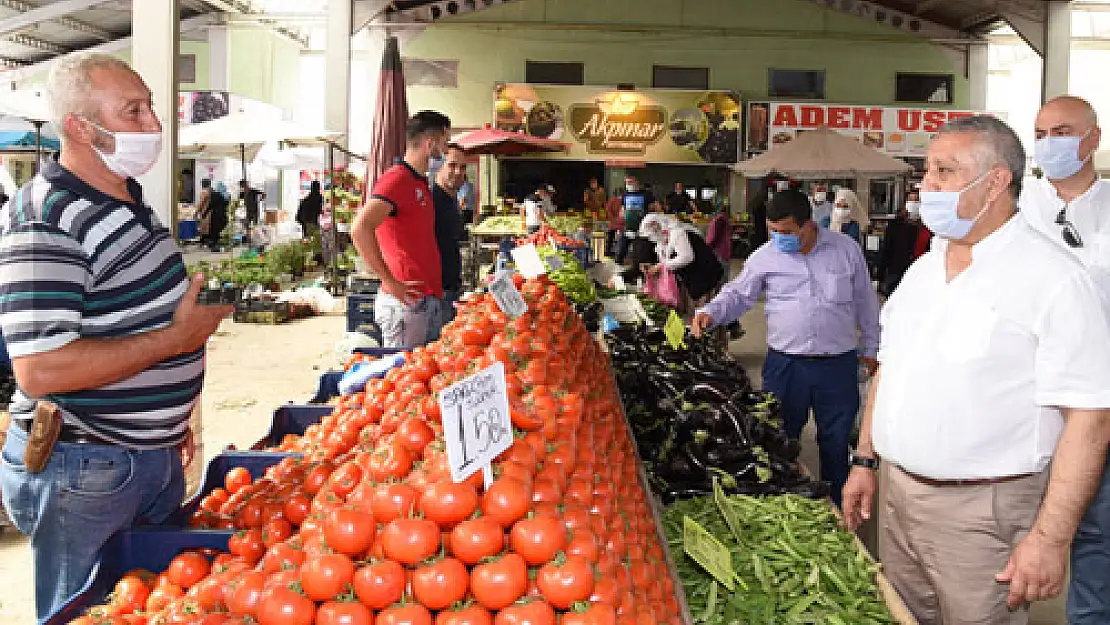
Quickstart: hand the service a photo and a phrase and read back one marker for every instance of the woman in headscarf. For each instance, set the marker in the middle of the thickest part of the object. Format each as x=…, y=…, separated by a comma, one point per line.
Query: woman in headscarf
x=218, y=202
x=683, y=251
x=308, y=211
x=849, y=216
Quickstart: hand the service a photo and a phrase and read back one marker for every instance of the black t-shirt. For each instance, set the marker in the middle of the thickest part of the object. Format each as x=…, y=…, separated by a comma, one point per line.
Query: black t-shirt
x=678, y=203
x=449, y=231
x=252, y=200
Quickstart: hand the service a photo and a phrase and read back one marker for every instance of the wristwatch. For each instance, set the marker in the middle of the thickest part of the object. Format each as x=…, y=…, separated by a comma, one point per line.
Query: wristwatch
x=860, y=461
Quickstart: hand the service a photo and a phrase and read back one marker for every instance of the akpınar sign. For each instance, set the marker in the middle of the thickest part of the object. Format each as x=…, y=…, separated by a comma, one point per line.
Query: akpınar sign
x=617, y=132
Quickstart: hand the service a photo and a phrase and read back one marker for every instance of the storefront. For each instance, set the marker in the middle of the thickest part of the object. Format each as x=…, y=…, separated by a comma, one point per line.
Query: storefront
x=659, y=136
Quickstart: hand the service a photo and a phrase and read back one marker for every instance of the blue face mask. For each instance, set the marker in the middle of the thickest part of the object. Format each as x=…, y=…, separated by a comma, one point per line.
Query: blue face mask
x=940, y=212
x=1058, y=157
x=787, y=243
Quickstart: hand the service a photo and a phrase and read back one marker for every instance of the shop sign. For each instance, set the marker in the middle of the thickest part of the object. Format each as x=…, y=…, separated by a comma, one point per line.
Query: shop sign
x=897, y=131
x=652, y=125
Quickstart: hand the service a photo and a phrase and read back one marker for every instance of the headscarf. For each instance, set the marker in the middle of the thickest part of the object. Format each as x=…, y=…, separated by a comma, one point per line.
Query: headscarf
x=662, y=230
x=856, y=214
x=221, y=188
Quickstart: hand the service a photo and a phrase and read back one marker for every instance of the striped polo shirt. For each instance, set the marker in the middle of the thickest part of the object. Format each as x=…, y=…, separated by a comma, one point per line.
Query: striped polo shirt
x=76, y=263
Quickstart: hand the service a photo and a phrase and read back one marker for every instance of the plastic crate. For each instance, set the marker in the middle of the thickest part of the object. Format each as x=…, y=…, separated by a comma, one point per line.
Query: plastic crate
x=363, y=285
x=255, y=462
x=582, y=253
x=145, y=548
x=360, y=315
x=329, y=381
x=291, y=419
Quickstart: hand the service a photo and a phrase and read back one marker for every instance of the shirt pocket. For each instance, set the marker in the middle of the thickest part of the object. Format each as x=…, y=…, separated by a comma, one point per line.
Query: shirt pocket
x=836, y=287
x=968, y=337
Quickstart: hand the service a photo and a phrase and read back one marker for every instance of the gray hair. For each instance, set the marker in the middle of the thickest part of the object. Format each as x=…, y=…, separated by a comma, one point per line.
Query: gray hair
x=69, y=87
x=997, y=144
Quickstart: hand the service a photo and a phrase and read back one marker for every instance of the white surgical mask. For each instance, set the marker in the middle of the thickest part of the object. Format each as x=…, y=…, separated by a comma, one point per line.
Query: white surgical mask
x=913, y=208
x=631, y=188
x=1058, y=157
x=819, y=197
x=136, y=152
x=842, y=213
x=939, y=211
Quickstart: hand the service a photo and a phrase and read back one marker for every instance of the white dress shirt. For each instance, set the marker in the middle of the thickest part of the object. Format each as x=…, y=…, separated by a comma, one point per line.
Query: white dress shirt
x=1089, y=213
x=973, y=370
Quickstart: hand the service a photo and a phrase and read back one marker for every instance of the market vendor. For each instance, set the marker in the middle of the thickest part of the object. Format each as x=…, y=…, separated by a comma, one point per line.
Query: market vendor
x=449, y=226
x=991, y=412
x=91, y=277
x=635, y=203
x=822, y=324
x=395, y=234
x=678, y=202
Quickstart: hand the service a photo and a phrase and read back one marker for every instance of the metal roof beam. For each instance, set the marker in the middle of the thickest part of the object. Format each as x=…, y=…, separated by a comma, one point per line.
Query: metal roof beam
x=45, y=13
x=240, y=7
x=891, y=18
x=37, y=44
x=67, y=22
x=366, y=11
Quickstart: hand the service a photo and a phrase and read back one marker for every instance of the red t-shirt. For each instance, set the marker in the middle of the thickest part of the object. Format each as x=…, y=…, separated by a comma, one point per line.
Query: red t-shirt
x=407, y=236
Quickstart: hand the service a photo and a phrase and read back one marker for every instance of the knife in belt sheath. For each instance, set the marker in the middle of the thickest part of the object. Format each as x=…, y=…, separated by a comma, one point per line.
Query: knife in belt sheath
x=42, y=437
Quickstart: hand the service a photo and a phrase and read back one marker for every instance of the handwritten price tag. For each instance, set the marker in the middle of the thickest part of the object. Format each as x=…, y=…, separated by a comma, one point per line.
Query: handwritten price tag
x=476, y=423
x=707, y=551
x=527, y=261
x=507, y=297
x=675, y=331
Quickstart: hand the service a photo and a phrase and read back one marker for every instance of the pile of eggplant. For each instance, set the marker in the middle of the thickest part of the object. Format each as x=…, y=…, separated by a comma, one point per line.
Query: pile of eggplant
x=696, y=417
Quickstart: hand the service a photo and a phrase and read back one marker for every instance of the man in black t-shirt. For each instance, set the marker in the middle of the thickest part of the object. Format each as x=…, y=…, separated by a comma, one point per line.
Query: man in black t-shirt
x=449, y=225
x=252, y=201
x=679, y=202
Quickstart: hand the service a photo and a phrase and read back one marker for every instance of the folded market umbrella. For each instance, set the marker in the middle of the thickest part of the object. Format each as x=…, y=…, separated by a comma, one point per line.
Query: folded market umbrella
x=822, y=153
x=494, y=142
x=391, y=113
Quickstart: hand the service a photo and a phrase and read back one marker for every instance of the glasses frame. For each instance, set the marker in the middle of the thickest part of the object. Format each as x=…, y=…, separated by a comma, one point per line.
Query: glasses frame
x=1069, y=233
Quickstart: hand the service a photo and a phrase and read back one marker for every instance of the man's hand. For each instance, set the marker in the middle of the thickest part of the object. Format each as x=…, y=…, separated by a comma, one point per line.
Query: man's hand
x=188, y=448
x=653, y=270
x=858, y=497
x=193, y=323
x=871, y=364
x=407, y=292
x=700, y=323
x=1035, y=570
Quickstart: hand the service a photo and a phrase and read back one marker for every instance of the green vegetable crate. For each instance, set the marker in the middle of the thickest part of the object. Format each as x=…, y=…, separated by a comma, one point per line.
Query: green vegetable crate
x=258, y=311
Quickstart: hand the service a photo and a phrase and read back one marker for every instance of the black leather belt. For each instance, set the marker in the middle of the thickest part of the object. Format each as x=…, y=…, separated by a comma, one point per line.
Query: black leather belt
x=69, y=434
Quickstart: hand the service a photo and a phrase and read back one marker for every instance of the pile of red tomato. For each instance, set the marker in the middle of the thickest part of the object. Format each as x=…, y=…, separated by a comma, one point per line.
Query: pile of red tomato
x=368, y=526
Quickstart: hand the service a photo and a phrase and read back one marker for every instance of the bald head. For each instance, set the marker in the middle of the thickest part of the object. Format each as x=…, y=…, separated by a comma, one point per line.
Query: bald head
x=1066, y=115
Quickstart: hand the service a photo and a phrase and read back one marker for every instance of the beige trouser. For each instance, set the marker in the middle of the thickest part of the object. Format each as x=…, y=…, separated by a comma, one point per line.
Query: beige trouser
x=941, y=546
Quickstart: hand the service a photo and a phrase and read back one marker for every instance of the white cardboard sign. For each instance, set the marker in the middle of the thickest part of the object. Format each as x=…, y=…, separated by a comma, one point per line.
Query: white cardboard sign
x=528, y=261
x=507, y=297
x=476, y=423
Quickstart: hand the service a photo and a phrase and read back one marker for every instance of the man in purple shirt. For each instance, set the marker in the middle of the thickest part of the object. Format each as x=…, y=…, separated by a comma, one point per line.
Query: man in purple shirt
x=822, y=322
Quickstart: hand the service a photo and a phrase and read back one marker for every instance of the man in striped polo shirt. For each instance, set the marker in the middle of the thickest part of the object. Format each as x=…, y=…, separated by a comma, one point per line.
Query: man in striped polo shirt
x=101, y=320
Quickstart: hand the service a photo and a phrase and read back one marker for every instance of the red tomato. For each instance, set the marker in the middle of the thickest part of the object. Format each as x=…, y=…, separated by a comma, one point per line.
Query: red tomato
x=496, y=585
x=478, y=538
x=440, y=584
x=380, y=584
x=244, y=592
x=410, y=541
x=247, y=544
x=187, y=569
x=596, y=614
x=344, y=479
x=391, y=501
x=323, y=578
x=415, y=434
x=405, y=614
x=282, y=557
x=538, y=539
x=507, y=501
x=565, y=580
x=531, y=613
x=472, y=614
x=447, y=503
x=130, y=593
x=350, y=531
x=282, y=606
x=343, y=613
x=237, y=479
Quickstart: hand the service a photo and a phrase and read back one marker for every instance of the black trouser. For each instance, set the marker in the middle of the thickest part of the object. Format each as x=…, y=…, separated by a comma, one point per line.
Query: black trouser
x=610, y=239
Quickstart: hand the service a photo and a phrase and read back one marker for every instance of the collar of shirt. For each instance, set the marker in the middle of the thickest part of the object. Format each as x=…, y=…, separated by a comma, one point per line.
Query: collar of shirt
x=415, y=174
x=1043, y=203
x=989, y=246
x=57, y=175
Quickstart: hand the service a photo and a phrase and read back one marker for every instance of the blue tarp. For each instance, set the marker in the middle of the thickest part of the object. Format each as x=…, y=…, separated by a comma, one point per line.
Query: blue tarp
x=21, y=139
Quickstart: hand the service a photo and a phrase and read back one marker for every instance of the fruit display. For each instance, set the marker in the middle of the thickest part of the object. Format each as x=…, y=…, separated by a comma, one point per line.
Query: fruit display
x=500, y=225
x=557, y=226
x=366, y=525
x=548, y=235
x=696, y=419
x=791, y=563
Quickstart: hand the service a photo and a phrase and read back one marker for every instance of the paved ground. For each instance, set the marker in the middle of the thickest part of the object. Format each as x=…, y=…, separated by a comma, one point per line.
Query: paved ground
x=254, y=369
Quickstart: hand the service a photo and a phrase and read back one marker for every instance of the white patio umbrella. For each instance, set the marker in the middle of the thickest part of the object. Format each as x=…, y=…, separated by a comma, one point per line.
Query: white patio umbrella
x=31, y=107
x=240, y=134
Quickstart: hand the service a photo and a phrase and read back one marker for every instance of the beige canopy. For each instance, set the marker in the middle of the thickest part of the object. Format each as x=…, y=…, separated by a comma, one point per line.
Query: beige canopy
x=822, y=153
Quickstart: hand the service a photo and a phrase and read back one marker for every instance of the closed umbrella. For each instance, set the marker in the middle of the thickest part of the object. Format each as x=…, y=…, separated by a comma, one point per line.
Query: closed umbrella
x=390, y=115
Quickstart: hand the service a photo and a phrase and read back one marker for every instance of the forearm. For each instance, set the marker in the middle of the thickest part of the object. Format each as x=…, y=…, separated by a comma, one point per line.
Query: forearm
x=365, y=241
x=735, y=299
x=67, y=369
x=1075, y=475
x=864, y=447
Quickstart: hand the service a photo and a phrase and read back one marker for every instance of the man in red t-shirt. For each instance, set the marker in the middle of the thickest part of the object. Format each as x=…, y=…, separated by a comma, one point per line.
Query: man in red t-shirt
x=395, y=234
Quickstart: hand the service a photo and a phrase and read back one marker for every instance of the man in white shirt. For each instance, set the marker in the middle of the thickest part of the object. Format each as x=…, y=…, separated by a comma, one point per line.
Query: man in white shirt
x=993, y=363
x=1071, y=205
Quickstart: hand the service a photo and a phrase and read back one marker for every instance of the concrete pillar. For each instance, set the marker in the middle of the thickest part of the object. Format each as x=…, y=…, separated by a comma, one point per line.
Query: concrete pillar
x=219, y=58
x=156, y=46
x=337, y=71
x=978, y=64
x=1057, y=49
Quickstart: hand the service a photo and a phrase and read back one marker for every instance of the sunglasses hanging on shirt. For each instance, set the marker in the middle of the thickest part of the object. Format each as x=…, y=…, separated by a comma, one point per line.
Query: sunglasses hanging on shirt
x=1070, y=234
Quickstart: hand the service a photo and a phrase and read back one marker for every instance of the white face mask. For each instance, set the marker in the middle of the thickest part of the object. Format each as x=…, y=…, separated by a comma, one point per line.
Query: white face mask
x=819, y=197
x=631, y=188
x=136, y=152
x=842, y=213
x=913, y=208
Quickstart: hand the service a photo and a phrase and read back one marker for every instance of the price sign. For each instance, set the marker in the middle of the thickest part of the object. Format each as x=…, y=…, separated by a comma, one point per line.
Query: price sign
x=727, y=511
x=554, y=262
x=476, y=423
x=507, y=297
x=528, y=261
x=675, y=331
x=707, y=551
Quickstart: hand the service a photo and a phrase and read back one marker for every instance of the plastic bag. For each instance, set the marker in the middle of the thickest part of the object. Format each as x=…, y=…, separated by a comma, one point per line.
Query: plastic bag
x=663, y=288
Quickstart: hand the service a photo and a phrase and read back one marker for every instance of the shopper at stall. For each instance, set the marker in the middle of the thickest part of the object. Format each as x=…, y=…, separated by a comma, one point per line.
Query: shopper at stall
x=308, y=211
x=593, y=198
x=719, y=235
x=822, y=205
x=252, y=202
x=533, y=213
x=98, y=306
x=994, y=366
x=1070, y=207
x=849, y=216
x=822, y=324
x=678, y=202
x=449, y=227
x=468, y=201
x=614, y=223
x=395, y=234
x=220, y=199
x=635, y=204
x=681, y=250
x=896, y=252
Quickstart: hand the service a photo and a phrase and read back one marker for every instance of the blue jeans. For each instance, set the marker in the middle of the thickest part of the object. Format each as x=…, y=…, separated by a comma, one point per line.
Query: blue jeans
x=446, y=313
x=828, y=386
x=405, y=326
x=1089, y=592
x=85, y=494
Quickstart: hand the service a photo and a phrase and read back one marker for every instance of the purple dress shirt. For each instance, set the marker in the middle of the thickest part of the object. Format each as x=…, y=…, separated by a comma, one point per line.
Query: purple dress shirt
x=820, y=303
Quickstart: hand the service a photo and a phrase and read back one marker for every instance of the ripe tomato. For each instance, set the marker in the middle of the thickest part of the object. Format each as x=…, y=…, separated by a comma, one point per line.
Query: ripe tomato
x=507, y=501
x=282, y=557
x=583, y=543
x=130, y=593
x=343, y=613
x=538, y=539
x=390, y=461
x=282, y=606
x=350, y=531
x=415, y=434
x=207, y=594
x=391, y=501
x=187, y=569
x=595, y=614
x=236, y=480
x=496, y=585
x=531, y=613
x=323, y=578
x=276, y=531
x=565, y=580
x=478, y=538
x=316, y=477
x=344, y=479
x=404, y=614
x=472, y=614
x=244, y=592
x=410, y=541
x=380, y=584
x=163, y=594
x=440, y=584
x=247, y=544
x=447, y=503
